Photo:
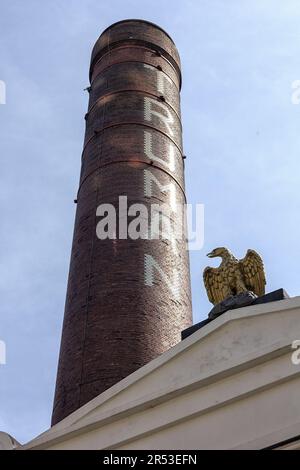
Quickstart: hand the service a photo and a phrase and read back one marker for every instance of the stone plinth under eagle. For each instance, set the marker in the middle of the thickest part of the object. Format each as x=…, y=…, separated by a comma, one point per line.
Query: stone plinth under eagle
x=239, y=280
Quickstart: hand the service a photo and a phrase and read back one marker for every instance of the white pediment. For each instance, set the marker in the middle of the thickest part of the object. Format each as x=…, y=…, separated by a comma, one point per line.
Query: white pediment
x=239, y=354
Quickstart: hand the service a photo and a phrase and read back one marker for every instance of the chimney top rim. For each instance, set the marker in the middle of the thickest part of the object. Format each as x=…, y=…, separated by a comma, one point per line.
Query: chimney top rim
x=137, y=20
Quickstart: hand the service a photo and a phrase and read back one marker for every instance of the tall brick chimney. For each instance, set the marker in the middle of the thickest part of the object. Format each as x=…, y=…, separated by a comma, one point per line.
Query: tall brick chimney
x=127, y=299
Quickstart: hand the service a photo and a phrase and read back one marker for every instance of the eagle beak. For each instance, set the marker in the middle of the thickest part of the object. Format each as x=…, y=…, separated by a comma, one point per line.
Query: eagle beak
x=210, y=255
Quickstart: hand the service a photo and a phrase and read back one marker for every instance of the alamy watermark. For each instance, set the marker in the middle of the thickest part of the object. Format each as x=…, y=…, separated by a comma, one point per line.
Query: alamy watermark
x=173, y=222
x=295, y=97
x=295, y=358
x=2, y=92
x=2, y=352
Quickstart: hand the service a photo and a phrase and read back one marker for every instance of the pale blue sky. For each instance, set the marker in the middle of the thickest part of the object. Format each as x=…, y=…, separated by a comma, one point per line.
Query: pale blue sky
x=241, y=136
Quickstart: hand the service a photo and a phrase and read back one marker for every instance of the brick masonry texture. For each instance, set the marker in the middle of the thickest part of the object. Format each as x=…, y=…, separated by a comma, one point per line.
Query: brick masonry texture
x=115, y=321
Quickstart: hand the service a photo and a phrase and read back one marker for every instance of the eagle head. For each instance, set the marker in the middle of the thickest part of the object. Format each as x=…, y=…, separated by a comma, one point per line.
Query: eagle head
x=221, y=252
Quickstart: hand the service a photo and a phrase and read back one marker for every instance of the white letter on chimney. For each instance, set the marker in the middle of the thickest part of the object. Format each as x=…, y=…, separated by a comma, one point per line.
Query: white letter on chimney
x=149, y=111
x=149, y=178
x=149, y=153
x=150, y=265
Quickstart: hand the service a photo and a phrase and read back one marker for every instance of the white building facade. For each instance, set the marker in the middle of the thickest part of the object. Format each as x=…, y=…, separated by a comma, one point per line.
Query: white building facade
x=233, y=384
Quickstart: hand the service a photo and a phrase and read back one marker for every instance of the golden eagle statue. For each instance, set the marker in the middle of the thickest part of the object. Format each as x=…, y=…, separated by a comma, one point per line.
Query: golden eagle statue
x=234, y=276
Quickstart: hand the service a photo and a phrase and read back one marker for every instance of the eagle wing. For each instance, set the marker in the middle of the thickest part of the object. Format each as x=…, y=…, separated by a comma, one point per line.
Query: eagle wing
x=214, y=284
x=252, y=268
